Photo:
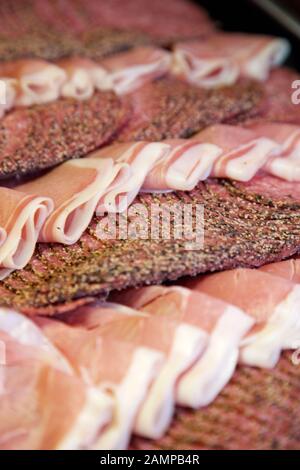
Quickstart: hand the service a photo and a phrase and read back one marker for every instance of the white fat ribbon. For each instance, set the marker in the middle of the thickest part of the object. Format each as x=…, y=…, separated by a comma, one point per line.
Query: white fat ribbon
x=42, y=86
x=245, y=167
x=95, y=414
x=118, y=199
x=262, y=349
x=82, y=205
x=128, y=397
x=200, y=385
x=157, y=410
x=203, y=73
x=273, y=54
x=79, y=85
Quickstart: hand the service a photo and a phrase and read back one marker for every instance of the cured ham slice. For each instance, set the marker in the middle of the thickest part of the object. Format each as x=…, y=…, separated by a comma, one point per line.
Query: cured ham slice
x=38, y=81
x=222, y=327
x=222, y=58
x=288, y=269
x=243, y=153
x=21, y=219
x=35, y=377
x=186, y=164
x=110, y=354
x=83, y=77
x=8, y=93
x=287, y=164
x=129, y=70
x=274, y=303
x=75, y=188
x=141, y=156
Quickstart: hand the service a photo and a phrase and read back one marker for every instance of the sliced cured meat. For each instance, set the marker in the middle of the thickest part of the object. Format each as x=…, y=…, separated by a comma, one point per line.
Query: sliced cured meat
x=288, y=269
x=287, y=164
x=263, y=402
x=113, y=356
x=179, y=341
x=273, y=303
x=75, y=187
x=129, y=70
x=222, y=58
x=183, y=167
x=200, y=384
x=83, y=76
x=170, y=109
x=246, y=224
x=243, y=152
x=29, y=408
x=45, y=135
x=38, y=81
x=21, y=219
x=8, y=93
x=141, y=157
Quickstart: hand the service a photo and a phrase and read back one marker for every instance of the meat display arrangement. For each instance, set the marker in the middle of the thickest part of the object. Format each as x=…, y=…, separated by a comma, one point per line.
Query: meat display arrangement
x=149, y=230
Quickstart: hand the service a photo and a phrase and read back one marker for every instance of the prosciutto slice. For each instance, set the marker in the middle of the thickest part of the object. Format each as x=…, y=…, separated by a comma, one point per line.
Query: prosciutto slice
x=38, y=81
x=186, y=163
x=35, y=378
x=8, y=93
x=222, y=327
x=287, y=164
x=222, y=58
x=83, y=77
x=129, y=70
x=107, y=350
x=243, y=153
x=273, y=302
x=141, y=156
x=75, y=188
x=21, y=219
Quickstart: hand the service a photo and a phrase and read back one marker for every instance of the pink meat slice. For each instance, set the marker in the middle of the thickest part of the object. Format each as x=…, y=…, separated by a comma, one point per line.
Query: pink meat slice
x=130, y=70
x=287, y=164
x=21, y=220
x=38, y=81
x=223, y=57
x=114, y=356
x=141, y=157
x=243, y=152
x=76, y=188
x=180, y=342
x=187, y=163
x=34, y=376
x=200, y=384
x=271, y=301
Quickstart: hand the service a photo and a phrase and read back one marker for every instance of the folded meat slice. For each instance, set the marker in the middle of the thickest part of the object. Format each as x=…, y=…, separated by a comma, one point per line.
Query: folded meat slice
x=141, y=157
x=243, y=153
x=186, y=163
x=75, y=187
x=221, y=58
x=83, y=77
x=38, y=81
x=8, y=93
x=35, y=379
x=287, y=164
x=130, y=70
x=222, y=326
x=107, y=351
x=21, y=219
x=273, y=302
